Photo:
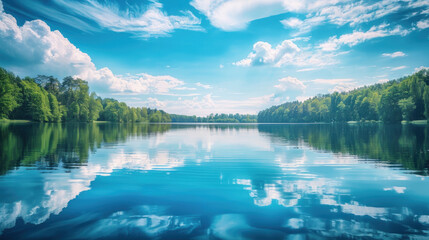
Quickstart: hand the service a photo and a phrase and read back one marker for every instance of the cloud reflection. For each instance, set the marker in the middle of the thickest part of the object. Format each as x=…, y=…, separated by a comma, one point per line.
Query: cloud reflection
x=142, y=220
x=56, y=188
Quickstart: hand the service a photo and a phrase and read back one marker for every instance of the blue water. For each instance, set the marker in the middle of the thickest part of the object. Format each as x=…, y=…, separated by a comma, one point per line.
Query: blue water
x=212, y=182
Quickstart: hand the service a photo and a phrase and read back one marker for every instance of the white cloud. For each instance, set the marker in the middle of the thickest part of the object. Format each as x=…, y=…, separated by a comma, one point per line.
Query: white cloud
x=288, y=83
x=232, y=15
x=332, y=81
x=221, y=66
x=154, y=103
x=351, y=39
x=421, y=68
x=57, y=188
x=307, y=69
x=354, y=13
x=205, y=86
x=35, y=49
x=264, y=53
x=143, y=21
x=286, y=53
x=396, y=189
x=398, y=68
x=423, y=24
x=303, y=26
x=205, y=105
x=185, y=88
x=394, y=55
x=384, y=80
x=341, y=84
x=351, y=13
x=303, y=98
x=344, y=87
x=292, y=22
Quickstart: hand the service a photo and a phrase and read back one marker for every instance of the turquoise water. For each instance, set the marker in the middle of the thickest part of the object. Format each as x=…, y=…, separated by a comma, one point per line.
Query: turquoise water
x=110, y=181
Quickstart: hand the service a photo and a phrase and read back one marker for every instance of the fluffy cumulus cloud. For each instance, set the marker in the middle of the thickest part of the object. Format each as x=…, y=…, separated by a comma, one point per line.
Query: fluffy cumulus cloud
x=264, y=53
x=143, y=20
x=34, y=45
x=34, y=48
x=154, y=103
x=288, y=89
x=394, y=55
x=352, y=39
x=423, y=24
x=290, y=83
x=324, y=53
x=286, y=53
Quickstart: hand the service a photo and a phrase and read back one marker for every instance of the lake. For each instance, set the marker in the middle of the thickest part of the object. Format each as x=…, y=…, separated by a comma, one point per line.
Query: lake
x=213, y=181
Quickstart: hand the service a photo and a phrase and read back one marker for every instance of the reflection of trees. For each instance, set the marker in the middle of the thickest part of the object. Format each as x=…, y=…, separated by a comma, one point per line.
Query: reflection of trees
x=406, y=145
x=70, y=144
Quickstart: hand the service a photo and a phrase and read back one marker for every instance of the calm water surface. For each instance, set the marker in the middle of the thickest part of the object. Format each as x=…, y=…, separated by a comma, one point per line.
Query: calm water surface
x=110, y=181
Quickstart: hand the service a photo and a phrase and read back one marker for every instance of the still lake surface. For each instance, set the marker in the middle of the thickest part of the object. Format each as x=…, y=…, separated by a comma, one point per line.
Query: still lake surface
x=213, y=181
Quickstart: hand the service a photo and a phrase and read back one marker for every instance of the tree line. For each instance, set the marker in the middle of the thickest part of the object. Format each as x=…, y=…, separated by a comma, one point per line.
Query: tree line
x=215, y=118
x=403, y=99
x=46, y=99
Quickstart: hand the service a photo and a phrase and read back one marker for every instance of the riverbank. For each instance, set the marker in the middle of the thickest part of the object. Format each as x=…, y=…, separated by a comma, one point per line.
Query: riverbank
x=3, y=120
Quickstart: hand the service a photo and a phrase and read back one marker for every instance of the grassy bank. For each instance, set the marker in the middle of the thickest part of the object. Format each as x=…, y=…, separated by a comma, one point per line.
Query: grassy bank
x=417, y=122
x=4, y=120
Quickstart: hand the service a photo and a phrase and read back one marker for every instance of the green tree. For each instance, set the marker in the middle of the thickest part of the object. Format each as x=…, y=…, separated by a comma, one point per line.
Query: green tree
x=55, y=109
x=35, y=102
x=8, y=93
x=95, y=107
x=407, y=106
x=426, y=101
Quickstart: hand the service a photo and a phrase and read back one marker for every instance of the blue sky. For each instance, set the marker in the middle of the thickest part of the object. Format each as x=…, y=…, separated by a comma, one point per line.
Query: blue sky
x=199, y=57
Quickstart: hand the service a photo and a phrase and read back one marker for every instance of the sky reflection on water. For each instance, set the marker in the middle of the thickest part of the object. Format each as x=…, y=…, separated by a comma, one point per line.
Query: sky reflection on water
x=226, y=182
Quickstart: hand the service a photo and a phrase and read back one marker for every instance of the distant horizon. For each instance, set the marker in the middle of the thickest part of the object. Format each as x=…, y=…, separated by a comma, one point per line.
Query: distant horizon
x=200, y=57
x=253, y=114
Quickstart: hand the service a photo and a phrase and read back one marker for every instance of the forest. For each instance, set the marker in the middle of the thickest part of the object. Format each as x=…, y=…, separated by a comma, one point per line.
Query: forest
x=46, y=99
x=403, y=99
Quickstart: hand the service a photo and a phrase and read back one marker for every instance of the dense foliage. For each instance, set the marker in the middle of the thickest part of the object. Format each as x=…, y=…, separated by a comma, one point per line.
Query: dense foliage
x=46, y=99
x=215, y=118
x=402, y=99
